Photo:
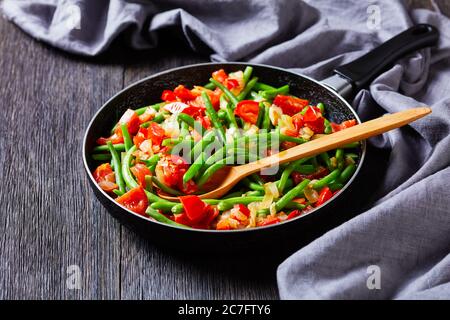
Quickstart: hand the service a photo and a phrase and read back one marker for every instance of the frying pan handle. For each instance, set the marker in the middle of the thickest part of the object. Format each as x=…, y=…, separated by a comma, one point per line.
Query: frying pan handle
x=355, y=75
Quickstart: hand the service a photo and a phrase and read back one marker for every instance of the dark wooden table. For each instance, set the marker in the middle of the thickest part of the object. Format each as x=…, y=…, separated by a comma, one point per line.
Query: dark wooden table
x=50, y=219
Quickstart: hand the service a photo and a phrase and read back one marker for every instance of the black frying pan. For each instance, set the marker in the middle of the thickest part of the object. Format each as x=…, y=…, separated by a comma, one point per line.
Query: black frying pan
x=346, y=81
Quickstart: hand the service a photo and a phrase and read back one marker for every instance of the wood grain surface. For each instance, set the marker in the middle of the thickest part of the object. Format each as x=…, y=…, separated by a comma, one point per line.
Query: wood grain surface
x=50, y=218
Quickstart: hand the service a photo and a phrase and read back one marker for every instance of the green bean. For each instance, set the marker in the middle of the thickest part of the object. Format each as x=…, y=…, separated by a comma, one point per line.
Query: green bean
x=152, y=160
x=222, y=114
x=257, y=179
x=263, y=212
x=327, y=126
x=347, y=173
x=263, y=87
x=335, y=186
x=118, y=147
x=142, y=110
x=158, y=118
x=202, y=144
x=118, y=192
x=165, y=206
x=227, y=204
x=270, y=94
x=178, y=208
x=101, y=156
x=260, y=115
x=126, y=137
x=327, y=179
x=306, y=169
x=252, y=185
x=194, y=168
x=287, y=172
x=247, y=73
x=213, y=168
x=352, y=155
x=146, y=124
x=231, y=117
x=350, y=145
x=326, y=159
x=321, y=107
x=162, y=218
x=117, y=167
x=284, y=137
x=227, y=92
x=148, y=183
x=290, y=195
x=295, y=205
x=266, y=120
x=184, y=130
x=340, y=158
x=165, y=188
x=253, y=193
x=209, y=86
x=171, y=141
x=247, y=89
x=191, y=122
x=127, y=176
x=213, y=116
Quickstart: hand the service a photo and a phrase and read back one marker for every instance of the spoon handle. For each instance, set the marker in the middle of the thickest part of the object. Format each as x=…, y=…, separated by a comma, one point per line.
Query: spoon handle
x=332, y=141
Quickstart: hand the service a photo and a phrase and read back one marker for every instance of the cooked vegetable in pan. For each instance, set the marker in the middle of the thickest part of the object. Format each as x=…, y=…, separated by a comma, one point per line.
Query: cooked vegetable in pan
x=181, y=145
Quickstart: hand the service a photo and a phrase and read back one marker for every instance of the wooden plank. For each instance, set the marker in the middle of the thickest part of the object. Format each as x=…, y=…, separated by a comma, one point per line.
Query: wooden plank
x=50, y=219
x=149, y=272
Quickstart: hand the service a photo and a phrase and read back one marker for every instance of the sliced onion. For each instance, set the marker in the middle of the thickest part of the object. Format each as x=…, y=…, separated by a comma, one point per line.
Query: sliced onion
x=311, y=194
x=171, y=127
x=275, y=114
x=271, y=188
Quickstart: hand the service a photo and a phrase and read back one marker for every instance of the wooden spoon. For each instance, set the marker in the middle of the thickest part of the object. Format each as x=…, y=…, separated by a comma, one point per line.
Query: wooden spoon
x=328, y=142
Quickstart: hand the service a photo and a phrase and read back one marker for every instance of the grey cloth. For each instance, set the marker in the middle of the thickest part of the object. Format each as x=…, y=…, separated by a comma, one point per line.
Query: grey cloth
x=404, y=230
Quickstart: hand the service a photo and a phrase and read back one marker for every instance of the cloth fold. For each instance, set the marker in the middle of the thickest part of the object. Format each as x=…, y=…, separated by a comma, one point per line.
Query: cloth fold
x=405, y=233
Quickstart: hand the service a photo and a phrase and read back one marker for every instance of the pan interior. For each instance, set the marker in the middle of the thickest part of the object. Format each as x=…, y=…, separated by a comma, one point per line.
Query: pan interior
x=148, y=91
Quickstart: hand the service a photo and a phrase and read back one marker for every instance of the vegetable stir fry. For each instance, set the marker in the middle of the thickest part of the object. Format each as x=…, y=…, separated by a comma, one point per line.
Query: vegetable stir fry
x=180, y=145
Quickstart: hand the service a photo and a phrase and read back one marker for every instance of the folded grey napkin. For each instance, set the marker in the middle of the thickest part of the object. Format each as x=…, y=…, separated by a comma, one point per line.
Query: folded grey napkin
x=397, y=247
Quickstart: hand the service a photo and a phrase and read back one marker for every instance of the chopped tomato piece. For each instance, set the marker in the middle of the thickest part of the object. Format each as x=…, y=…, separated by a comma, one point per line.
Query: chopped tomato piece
x=243, y=209
x=220, y=75
x=194, y=111
x=140, y=170
x=293, y=214
x=156, y=133
x=297, y=119
x=205, y=122
x=131, y=119
x=268, y=221
x=344, y=125
x=223, y=225
x=168, y=95
x=105, y=177
x=194, y=207
x=232, y=83
x=115, y=139
x=183, y=93
x=324, y=195
x=313, y=119
x=320, y=173
x=134, y=200
x=248, y=110
x=188, y=187
x=290, y=105
x=170, y=170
